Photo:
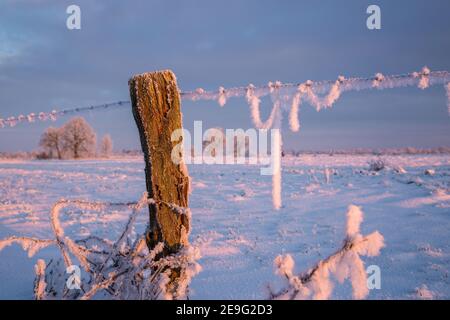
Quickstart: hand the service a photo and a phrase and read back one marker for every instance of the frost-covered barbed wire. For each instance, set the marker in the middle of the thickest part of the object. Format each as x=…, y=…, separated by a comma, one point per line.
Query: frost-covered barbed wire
x=31, y=245
x=422, y=79
x=54, y=115
x=124, y=269
x=344, y=264
x=309, y=91
x=293, y=92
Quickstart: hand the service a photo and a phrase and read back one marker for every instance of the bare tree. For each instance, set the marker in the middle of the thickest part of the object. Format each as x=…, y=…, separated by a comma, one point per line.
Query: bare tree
x=51, y=141
x=106, y=146
x=78, y=138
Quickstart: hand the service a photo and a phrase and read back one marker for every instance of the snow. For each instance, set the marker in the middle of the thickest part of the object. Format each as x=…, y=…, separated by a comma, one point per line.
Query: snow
x=239, y=240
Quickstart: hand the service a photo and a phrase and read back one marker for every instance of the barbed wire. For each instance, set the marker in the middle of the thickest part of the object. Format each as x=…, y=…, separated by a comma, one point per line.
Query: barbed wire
x=53, y=115
x=422, y=79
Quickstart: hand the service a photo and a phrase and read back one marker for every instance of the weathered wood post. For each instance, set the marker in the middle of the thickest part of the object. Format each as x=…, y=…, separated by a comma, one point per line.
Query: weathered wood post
x=156, y=105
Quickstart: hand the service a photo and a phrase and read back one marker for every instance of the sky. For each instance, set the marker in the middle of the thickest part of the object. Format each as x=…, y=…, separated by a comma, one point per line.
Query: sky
x=209, y=43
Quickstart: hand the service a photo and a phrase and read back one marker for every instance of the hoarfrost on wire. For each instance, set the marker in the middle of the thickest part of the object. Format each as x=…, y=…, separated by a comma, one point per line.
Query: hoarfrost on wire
x=308, y=91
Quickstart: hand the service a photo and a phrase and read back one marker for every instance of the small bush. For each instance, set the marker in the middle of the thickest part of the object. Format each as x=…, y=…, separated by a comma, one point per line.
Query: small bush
x=377, y=165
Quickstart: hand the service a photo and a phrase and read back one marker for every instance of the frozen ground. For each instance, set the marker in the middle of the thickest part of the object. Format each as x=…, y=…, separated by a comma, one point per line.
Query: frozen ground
x=238, y=232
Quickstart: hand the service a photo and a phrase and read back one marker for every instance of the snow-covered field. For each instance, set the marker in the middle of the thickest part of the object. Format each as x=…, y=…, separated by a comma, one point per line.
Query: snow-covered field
x=235, y=227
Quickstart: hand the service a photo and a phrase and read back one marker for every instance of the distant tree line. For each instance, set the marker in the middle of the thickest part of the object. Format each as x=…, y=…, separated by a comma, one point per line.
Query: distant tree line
x=74, y=140
x=375, y=152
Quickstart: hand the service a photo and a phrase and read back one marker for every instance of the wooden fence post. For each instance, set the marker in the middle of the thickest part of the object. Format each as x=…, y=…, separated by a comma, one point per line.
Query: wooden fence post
x=156, y=105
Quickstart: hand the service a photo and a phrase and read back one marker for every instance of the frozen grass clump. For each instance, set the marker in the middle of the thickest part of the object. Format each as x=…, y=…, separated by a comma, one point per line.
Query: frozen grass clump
x=377, y=165
x=124, y=269
x=346, y=263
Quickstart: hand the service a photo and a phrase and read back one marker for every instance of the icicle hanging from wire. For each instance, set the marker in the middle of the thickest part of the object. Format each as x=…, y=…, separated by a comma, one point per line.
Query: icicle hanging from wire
x=279, y=99
x=294, y=122
x=304, y=90
x=309, y=91
x=328, y=100
x=254, y=102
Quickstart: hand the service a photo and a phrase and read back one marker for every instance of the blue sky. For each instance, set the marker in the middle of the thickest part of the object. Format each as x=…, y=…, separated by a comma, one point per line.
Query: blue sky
x=208, y=44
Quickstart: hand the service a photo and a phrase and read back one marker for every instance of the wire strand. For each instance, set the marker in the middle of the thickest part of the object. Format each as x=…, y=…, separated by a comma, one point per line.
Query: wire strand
x=422, y=79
